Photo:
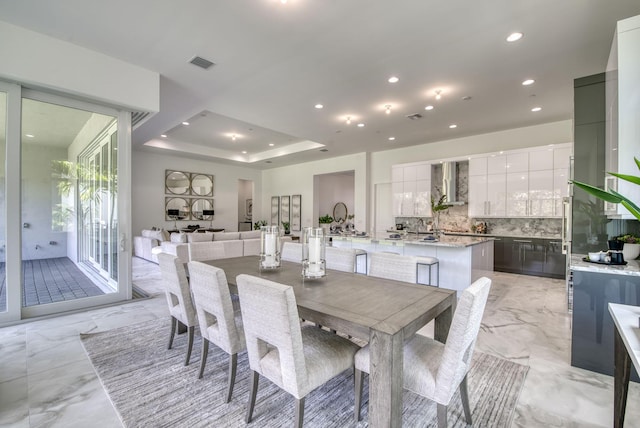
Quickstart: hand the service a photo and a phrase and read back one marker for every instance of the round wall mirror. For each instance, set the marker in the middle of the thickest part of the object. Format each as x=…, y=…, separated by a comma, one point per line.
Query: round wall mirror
x=201, y=209
x=202, y=185
x=177, y=183
x=340, y=212
x=177, y=209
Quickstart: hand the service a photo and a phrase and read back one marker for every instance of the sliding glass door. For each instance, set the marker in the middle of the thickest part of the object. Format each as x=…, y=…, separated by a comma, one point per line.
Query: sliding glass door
x=98, y=204
x=62, y=205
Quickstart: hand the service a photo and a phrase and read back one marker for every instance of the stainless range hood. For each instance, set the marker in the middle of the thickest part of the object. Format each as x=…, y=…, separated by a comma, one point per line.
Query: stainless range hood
x=449, y=183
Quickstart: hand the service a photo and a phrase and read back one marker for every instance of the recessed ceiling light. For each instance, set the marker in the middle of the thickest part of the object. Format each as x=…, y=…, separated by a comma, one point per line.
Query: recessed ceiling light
x=28, y=135
x=514, y=37
x=393, y=79
x=318, y=106
x=244, y=152
x=536, y=109
x=387, y=109
x=528, y=82
x=453, y=125
x=185, y=123
x=392, y=138
x=428, y=108
x=438, y=94
x=271, y=144
x=360, y=125
x=233, y=137
x=163, y=135
x=466, y=98
x=348, y=121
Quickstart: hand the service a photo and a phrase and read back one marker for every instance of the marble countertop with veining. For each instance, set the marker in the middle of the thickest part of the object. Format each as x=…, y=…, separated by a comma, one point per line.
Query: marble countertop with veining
x=631, y=268
x=443, y=241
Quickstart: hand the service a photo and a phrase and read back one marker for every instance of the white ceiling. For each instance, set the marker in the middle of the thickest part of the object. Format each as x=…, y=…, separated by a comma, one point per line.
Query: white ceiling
x=275, y=61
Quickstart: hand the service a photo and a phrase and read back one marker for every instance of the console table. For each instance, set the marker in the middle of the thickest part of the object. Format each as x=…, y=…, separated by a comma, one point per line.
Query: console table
x=627, y=351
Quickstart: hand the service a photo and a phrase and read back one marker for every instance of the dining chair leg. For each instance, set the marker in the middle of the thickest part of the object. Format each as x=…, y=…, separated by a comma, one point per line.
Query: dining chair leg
x=252, y=395
x=299, y=412
x=357, y=380
x=189, y=345
x=464, y=395
x=203, y=357
x=442, y=416
x=174, y=324
x=233, y=362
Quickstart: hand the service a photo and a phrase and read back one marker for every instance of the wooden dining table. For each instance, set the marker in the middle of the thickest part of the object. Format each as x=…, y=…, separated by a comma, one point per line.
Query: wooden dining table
x=383, y=312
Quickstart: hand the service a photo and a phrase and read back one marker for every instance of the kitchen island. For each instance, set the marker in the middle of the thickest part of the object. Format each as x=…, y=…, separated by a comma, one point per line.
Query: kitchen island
x=594, y=287
x=462, y=259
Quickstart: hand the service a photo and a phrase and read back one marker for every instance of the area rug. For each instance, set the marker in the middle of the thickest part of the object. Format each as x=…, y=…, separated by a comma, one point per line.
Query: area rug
x=150, y=387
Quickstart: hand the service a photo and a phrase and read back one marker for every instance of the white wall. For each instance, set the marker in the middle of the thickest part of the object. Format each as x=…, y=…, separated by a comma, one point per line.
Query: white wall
x=38, y=192
x=33, y=58
x=299, y=179
x=334, y=188
x=148, y=171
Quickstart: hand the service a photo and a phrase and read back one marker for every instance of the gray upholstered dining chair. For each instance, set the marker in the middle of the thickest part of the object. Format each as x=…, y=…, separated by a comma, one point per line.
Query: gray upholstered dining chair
x=435, y=370
x=219, y=324
x=297, y=359
x=178, y=293
x=342, y=259
x=393, y=266
x=291, y=252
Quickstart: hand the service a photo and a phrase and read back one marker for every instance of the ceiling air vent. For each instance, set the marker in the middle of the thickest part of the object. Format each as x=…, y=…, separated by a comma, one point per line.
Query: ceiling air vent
x=414, y=116
x=201, y=62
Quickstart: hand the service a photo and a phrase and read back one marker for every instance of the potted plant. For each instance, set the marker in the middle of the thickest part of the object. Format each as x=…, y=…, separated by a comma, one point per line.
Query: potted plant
x=286, y=226
x=325, y=221
x=616, y=198
x=631, y=249
x=258, y=224
x=437, y=206
x=611, y=195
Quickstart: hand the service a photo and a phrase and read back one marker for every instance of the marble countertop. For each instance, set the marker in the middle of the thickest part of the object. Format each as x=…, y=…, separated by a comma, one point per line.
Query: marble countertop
x=444, y=241
x=491, y=235
x=631, y=268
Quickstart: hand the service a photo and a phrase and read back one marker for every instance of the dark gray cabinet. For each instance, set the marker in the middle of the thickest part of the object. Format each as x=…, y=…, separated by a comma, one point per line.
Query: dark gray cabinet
x=592, y=330
x=529, y=256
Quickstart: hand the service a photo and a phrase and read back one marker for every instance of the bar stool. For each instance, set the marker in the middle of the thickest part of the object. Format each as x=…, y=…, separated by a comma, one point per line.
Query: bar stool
x=430, y=262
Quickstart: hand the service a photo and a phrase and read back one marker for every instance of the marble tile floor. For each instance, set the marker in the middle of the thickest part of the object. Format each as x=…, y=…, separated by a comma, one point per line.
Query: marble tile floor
x=46, y=379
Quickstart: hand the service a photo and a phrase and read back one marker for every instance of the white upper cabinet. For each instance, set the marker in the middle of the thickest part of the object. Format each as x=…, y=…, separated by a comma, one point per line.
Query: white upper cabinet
x=517, y=162
x=541, y=159
x=487, y=186
x=519, y=183
x=411, y=189
x=562, y=157
x=496, y=164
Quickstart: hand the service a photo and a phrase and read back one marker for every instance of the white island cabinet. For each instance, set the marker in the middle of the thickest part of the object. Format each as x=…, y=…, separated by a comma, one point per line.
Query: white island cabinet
x=462, y=259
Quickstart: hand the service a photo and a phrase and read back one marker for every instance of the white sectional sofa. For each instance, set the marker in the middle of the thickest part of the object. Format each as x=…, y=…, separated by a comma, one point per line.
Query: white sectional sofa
x=211, y=246
x=149, y=239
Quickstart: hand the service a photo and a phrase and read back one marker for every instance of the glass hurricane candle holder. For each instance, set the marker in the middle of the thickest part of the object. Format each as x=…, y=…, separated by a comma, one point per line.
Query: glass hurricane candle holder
x=269, y=247
x=313, y=249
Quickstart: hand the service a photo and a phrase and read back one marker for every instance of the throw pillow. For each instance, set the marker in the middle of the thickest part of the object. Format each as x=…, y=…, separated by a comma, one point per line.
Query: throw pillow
x=200, y=237
x=179, y=238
